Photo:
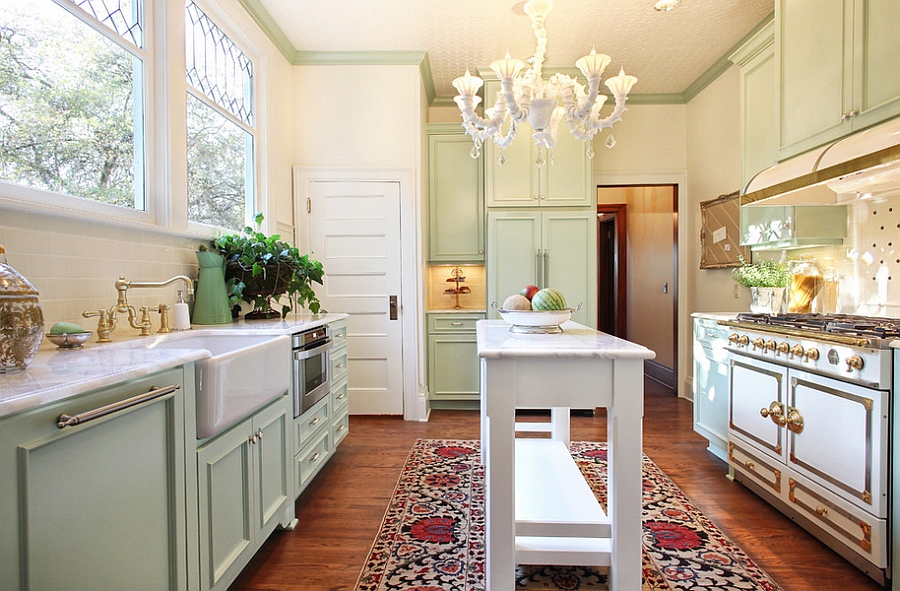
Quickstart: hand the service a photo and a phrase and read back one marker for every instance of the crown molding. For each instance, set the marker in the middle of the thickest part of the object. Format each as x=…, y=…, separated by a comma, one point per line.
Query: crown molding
x=271, y=29
x=420, y=58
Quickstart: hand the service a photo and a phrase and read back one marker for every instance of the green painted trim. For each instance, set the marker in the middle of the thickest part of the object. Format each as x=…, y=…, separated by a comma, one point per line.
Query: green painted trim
x=660, y=98
x=427, y=80
x=268, y=25
x=359, y=58
x=724, y=62
x=443, y=101
x=444, y=128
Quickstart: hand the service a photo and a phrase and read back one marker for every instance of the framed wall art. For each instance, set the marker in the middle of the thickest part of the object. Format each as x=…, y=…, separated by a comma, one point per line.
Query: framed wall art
x=720, y=232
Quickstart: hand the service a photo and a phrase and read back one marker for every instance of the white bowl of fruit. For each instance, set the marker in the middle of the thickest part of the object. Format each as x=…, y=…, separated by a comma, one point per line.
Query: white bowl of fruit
x=535, y=311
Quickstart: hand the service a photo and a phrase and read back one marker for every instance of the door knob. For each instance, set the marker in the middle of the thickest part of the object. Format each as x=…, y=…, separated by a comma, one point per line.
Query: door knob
x=393, y=307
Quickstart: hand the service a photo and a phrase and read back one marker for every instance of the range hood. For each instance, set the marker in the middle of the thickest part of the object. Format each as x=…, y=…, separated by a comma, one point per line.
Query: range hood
x=861, y=166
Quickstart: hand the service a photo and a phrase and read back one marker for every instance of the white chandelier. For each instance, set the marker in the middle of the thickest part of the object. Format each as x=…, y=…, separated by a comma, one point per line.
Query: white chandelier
x=543, y=104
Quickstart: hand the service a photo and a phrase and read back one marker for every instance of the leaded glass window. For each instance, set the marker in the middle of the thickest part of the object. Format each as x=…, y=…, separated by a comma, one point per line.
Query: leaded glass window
x=220, y=124
x=71, y=99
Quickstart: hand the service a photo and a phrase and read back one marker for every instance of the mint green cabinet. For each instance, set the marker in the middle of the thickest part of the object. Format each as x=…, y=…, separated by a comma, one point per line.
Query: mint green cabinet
x=556, y=249
x=759, y=103
x=838, y=70
x=104, y=504
x=710, y=384
x=563, y=181
x=319, y=430
x=455, y=196
x=245, y=491
x=453, y=366
x=340, y=376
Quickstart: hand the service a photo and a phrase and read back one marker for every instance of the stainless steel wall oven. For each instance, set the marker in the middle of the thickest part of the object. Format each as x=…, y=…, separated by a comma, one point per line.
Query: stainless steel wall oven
x=809, y=425
x=311, y=367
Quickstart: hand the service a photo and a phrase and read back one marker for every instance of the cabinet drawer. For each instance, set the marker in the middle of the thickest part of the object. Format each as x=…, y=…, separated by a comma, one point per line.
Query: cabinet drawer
x=755, y=465
x=856, y=528
x=341, y=426
x=338, y=333
x=310, y=423
x=453, y=322
x=340, y=398
x=310, y=460
x=338, y=359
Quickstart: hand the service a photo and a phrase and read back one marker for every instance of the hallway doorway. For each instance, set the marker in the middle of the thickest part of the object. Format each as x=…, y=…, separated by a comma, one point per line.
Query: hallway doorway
x=647, y=285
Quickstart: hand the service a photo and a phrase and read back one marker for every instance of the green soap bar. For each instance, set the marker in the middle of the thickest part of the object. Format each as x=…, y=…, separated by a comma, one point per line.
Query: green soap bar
x=66, y=328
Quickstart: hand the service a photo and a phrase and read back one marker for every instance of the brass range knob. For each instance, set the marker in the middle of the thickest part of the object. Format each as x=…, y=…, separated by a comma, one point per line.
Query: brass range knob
x=796, y=351
x=854, y=362
x=770, y=345
x=758, y=343
x=733, y=338
x=811, y=354
x=782, y=348
x=743, y=340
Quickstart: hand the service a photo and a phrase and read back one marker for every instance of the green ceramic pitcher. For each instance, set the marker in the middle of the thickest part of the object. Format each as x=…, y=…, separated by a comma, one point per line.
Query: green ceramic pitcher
x=211, y=299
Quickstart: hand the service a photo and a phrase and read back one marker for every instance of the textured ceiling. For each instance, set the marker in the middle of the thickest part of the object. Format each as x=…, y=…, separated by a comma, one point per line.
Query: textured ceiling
x=666, y=51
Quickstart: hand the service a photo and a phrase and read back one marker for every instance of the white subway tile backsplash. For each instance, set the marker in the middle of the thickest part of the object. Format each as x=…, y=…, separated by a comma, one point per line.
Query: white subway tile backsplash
x=74, y=263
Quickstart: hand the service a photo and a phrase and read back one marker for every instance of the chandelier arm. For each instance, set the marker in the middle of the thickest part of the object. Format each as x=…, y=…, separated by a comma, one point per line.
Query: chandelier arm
x=613, y=117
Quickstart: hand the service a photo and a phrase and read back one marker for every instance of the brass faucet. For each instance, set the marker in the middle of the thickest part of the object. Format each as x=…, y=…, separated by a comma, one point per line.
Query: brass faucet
x=108, y=318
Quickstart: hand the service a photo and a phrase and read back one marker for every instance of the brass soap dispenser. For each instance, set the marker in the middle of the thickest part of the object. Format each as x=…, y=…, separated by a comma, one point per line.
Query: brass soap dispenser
x=21, y=319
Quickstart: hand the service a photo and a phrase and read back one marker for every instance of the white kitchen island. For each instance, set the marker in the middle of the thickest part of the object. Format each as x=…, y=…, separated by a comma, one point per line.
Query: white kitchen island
x=539, y=510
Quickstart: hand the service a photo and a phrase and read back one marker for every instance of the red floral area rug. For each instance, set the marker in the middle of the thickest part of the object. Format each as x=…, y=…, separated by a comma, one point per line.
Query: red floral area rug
x=432, y=536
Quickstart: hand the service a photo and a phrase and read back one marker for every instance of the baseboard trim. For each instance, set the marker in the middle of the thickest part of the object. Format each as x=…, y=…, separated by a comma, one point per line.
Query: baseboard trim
x=659, y=372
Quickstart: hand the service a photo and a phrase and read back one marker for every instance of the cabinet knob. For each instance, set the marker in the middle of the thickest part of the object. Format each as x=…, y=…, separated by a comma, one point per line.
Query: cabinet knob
x=314, y=457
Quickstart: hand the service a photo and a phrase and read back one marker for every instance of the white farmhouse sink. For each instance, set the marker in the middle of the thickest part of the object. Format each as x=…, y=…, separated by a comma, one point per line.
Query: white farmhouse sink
x=242, y=374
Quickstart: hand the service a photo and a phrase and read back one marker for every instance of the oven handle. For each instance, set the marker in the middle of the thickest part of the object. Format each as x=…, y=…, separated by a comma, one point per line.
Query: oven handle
x=308, y=353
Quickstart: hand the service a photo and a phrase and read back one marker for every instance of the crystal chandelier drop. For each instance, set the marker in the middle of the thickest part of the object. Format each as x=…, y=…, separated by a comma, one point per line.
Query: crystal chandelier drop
x=526, y=96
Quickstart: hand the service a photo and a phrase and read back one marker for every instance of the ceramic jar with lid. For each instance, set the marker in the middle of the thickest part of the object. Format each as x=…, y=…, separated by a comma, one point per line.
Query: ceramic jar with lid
x=21, y=319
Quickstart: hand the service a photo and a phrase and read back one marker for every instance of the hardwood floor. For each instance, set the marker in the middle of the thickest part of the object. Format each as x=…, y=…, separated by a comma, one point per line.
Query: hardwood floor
x=340, y=513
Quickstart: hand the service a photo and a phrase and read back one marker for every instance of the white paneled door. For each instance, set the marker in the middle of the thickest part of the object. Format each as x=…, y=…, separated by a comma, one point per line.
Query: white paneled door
x=354, y=229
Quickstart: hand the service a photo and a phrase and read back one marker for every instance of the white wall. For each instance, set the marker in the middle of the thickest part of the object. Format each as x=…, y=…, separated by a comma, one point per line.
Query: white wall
x=368, y=123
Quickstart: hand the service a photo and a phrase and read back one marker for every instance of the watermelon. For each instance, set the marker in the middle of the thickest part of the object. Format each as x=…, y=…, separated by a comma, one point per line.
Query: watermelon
x=548, y=299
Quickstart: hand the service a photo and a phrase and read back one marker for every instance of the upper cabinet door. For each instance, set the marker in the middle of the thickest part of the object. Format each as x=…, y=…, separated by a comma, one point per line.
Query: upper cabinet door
x=876, y=83
x=816, y=64
x=838, y=62
x=456, y=198
x=562, y=181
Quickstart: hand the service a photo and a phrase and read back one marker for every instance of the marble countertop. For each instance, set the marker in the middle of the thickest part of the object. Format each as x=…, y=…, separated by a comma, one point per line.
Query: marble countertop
x=715, y=315
x=496, y=341
x=56, y=374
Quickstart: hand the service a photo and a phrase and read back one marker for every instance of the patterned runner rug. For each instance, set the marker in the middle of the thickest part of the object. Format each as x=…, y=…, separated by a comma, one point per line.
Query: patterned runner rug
x=432, y=536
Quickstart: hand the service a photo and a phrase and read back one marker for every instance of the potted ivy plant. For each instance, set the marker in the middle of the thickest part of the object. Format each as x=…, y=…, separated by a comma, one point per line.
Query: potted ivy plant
x=261, y=269
x=767, y=280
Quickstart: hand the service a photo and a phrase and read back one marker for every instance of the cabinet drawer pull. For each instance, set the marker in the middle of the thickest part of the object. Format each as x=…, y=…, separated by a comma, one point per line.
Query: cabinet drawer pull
x=340, y=428
x=314, y=457
x=456, y=324
x=339, y=335
x=314, y=422
x=340, y=396
x=821, y=511
x=749, y=464
x=340, y=365
x=64, y=420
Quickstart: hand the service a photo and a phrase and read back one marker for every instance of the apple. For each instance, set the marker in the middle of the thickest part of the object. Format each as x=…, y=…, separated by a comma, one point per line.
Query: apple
x=529, y=291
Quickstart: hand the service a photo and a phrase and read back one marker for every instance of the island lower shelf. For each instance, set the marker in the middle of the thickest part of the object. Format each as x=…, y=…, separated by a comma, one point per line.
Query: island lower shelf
x=558, y=518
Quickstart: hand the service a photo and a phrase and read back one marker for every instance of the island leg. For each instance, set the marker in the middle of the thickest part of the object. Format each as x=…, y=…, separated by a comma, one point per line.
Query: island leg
x=498, y=417
x=624, y=473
